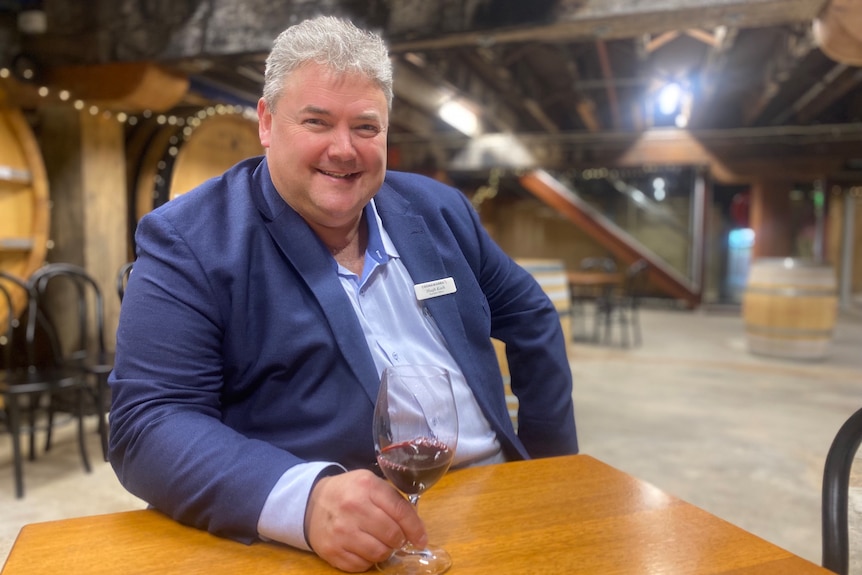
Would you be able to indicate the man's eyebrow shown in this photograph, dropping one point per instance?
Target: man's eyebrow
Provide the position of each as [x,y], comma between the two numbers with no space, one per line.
[312,109]
[317,110]
[372,116]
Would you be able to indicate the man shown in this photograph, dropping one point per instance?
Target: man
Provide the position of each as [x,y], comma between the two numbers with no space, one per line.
[265,304]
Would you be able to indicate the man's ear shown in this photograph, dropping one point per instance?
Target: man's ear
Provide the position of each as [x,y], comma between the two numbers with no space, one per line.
[264,125]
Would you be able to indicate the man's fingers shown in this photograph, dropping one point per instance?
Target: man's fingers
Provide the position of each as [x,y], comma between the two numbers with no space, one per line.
[356,519]
[403,513]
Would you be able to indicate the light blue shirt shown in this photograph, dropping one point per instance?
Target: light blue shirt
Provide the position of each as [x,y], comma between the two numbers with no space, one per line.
[399,330]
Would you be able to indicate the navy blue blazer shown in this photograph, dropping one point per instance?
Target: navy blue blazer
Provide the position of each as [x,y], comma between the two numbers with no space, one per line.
[239,354]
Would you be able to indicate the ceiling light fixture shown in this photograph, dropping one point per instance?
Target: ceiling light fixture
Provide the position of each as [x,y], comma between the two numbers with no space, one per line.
[460,117]
[669,98]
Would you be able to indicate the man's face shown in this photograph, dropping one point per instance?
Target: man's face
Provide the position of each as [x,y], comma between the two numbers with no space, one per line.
[326,144]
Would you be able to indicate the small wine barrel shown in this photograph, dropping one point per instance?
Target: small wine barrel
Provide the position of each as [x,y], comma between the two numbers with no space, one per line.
[789,308]
[551,275]
[24,206]
[172,160]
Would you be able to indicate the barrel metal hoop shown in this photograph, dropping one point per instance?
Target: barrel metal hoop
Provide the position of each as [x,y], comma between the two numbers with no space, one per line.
[792,291]
[15,174]
[788,331]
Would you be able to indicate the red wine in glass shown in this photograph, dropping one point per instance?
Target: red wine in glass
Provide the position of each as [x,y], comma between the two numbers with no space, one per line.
[414,466]
[415,436]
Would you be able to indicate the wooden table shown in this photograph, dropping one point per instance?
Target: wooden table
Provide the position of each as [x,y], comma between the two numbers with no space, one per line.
[561,515]
[594,278]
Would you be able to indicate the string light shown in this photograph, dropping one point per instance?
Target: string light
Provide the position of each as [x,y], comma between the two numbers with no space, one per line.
[184,126]
[190,122]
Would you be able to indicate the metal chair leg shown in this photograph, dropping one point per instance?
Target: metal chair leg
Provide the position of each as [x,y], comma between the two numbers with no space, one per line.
[101,396]
[82,444]
[14,413]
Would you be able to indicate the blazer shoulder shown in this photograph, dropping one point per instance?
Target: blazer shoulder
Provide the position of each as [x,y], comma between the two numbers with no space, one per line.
[416,187]
[219,195]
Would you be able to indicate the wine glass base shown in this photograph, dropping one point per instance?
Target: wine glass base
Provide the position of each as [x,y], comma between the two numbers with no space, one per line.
[428,561]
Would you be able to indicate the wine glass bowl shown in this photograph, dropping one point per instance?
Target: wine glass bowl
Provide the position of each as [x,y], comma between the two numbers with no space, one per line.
[415,437]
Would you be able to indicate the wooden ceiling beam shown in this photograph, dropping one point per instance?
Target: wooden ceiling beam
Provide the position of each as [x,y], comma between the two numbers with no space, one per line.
[608,77]
[611,19]
[732,155]
[850,80]
[810,95]
[778,69]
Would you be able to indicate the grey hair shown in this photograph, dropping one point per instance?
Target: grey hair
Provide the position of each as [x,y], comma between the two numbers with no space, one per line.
[333,42]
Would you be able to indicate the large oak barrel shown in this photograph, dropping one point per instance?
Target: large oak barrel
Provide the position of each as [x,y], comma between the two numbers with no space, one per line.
[789,308]
[24,206]
[172,159]
[838,31]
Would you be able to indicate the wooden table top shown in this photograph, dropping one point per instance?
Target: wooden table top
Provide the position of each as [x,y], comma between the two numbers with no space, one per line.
[561,515]
[594,278]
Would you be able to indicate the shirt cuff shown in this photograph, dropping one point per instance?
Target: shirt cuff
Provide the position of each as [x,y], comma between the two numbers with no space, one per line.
[282,518]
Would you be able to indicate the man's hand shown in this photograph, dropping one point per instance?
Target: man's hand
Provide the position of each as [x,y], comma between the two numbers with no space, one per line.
[356,519]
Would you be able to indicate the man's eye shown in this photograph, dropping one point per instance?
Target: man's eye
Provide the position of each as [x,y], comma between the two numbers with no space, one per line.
[368,129]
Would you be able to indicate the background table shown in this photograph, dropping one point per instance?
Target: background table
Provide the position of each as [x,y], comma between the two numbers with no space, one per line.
[561,515]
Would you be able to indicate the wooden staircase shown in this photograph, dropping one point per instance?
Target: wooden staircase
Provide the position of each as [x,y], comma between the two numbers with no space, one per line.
[617,241]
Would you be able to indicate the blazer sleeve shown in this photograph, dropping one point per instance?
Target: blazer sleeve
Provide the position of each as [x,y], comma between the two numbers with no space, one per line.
[525,319]
[168,443]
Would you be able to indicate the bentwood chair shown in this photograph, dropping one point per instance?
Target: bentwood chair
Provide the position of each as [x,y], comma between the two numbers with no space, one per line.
[836,488]
[628,306]
[597,295]
[71,298]
[28,388]
[123,278]
[620,307]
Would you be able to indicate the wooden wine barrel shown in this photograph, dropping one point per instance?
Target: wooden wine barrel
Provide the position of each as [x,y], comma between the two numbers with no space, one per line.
[173,159]
[24,206]
[838,31]
[551,275]
[789,308]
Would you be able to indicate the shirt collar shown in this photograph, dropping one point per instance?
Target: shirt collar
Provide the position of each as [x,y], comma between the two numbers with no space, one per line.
[380,246]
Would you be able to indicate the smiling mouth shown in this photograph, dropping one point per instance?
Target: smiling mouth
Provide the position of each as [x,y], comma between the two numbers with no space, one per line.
[339,176]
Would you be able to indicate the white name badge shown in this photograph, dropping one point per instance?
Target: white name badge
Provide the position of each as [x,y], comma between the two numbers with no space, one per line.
[434,288]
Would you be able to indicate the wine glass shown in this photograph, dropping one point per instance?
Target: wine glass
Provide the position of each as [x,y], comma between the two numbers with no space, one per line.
[415,436]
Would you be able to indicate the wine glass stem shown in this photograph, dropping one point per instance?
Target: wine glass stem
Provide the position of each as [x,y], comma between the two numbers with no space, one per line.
[409,547]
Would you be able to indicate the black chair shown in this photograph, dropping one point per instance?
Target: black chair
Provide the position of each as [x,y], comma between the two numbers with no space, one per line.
[836,487]
[123,278]
[620,305]
[603,298]
[583,296]
[26,384]
[61,288]
[628,306]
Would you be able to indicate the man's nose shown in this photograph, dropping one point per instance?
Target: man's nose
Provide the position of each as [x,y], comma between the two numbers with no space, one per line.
[342,143]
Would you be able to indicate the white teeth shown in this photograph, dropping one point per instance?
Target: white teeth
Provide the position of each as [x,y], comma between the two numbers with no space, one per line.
[332,175]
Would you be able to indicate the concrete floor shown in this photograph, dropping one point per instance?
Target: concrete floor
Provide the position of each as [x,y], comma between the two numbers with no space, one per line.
[690,411]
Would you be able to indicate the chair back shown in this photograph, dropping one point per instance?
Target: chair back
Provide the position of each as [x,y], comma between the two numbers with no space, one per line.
[598,263]
[836,488]
[635,282]
[77,291]
[8,326]
[123,278]
[17,354]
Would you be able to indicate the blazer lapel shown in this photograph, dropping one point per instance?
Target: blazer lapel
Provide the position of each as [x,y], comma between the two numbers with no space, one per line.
[423,260]
[315,267]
